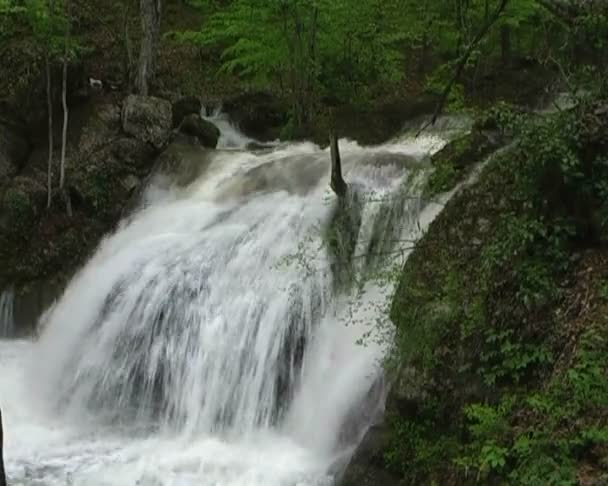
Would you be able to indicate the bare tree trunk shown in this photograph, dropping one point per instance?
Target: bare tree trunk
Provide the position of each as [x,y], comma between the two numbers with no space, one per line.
[337,181]
[64,133]
[128,46]
[2,474]
[49,102]
[64,102]
[150,11]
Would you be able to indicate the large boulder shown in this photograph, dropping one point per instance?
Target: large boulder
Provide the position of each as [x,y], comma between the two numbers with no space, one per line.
[147,119]
[258,114]
[204,131]
[183,107]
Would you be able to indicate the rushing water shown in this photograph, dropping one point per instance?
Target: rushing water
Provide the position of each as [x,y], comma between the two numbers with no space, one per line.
[207,342]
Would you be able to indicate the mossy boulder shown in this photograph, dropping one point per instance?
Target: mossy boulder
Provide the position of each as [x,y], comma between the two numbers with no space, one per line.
[183,107]
[259,114]
[147,119]
[455,161]
[204,131]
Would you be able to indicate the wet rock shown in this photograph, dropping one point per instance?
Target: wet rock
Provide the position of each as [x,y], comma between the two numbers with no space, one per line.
[456,160]
[367,467]
[258,114]
[104,172]
[31,300]
[131,183]
[204,131]
[147,119]
[184,107]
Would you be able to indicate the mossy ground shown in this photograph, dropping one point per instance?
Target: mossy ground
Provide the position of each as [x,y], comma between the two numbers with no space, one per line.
[500,371]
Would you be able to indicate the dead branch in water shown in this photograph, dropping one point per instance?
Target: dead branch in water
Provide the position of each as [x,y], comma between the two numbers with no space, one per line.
[337,181]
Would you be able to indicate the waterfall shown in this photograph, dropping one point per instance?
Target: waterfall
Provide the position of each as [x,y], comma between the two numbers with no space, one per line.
[206,342]
[7,324]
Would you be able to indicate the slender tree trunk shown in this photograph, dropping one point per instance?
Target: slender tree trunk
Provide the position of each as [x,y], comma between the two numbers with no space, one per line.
[337,181]
[150,11]
[49,102]
[2,474]
[64,133]
[128,45]
[64,102]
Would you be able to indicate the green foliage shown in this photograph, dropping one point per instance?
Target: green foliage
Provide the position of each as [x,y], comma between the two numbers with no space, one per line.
[46,22]
[418,448]
[307,49]
[521,392]
[559,423]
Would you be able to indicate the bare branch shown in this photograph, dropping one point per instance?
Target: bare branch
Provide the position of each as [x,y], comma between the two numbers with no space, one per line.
[463,61]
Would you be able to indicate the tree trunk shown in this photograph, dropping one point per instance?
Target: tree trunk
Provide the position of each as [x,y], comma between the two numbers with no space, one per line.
[49,102]
[64,102]
[64,133]
[2,474]
[150,23]
[337,181]
[129,64]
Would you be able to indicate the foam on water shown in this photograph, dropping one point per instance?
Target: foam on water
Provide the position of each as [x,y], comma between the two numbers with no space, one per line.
[197,348]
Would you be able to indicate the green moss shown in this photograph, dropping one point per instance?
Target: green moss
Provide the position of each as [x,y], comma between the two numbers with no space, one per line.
[18,206]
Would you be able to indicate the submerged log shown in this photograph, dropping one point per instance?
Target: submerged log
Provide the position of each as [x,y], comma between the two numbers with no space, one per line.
[2,475]
[337,181]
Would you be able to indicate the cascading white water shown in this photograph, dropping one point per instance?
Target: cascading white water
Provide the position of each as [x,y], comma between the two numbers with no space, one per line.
[206,342]
[7,325]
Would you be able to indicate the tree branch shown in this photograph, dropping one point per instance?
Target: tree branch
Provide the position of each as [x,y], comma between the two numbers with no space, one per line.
[463,61]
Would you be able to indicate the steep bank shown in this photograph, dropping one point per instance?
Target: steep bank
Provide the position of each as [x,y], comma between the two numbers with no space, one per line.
[499,373]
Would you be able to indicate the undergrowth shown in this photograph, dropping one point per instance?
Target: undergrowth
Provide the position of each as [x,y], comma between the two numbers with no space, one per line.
[511,385]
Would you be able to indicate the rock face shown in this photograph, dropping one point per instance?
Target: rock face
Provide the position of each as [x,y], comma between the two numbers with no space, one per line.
[39,248]
[204,131]
[184,107]
[147,119]
[14,147]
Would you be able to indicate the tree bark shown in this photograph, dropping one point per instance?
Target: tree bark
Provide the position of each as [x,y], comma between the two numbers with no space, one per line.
[150,11]
[49,102]
[64,102]
[2,474]
[337,181]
